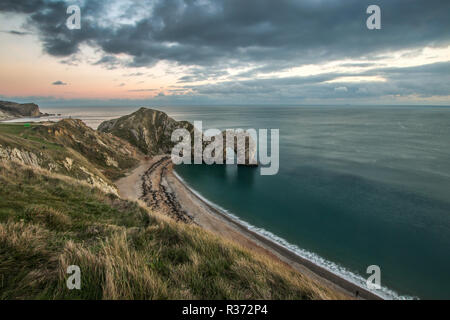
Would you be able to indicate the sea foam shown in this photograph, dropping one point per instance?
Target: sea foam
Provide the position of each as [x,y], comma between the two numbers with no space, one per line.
[336,269]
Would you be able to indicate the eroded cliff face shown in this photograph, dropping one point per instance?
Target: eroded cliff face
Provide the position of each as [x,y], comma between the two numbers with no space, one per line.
[70,148]
[68,166]
[21,156]
[108,152]
[11,110]
[151,132]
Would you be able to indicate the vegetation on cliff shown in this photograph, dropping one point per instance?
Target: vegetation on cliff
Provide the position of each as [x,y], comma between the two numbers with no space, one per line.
[68,147]
[147,129]
[151,131]
[51,217]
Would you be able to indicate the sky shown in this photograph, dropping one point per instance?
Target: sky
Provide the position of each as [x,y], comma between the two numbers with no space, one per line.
[225,52]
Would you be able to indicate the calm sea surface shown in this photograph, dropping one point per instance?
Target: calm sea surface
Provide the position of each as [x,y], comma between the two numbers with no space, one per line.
[357,186]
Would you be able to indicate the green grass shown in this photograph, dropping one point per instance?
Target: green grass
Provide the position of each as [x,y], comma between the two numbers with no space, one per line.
[50,220]
[22,132]
[78,142]
[14,128]
[124,251]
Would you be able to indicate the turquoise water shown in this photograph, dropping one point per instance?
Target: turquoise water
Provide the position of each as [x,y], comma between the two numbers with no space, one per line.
[357,186]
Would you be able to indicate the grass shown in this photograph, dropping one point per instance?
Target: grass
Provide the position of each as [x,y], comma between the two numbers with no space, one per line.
[72,139]
[48,222]
[14,128]
[53,218]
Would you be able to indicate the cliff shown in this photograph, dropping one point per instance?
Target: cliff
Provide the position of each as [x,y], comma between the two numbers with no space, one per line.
[59,207]
[11,110]
[107,152]
[147,129]
[151,131]
[69,148]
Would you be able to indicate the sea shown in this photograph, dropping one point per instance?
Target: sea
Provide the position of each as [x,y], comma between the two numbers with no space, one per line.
[357,186]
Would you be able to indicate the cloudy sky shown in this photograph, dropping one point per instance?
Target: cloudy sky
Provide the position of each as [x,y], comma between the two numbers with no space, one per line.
[153,52]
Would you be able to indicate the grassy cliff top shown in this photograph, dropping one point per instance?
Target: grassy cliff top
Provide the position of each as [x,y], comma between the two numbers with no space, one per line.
[48,222]
[52,218]
[58,146]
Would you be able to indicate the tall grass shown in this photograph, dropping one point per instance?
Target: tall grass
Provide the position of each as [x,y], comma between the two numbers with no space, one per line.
[49,222]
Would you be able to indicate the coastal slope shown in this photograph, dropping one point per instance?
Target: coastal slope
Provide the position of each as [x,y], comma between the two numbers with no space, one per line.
[56,212]
[149,130]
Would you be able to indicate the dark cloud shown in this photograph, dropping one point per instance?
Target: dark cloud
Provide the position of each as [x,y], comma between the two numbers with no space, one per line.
[203,74]
[17,33]
[22,6]
[211,37]
[279,32]
[59,83]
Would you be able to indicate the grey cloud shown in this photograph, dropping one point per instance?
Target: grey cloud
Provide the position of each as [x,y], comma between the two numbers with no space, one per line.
[136,74]
[17,33]
[341,89]
[425,81]
[142,90]
[272,32]
[110,62]
[212,36]
[59,83]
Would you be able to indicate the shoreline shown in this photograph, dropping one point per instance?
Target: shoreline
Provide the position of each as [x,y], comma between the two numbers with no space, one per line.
[291,258]
[155,183]
[17,119]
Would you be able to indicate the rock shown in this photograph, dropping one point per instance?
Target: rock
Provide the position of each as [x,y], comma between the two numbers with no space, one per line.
[147,129]
[101,149]
[21,156]
[11,110]
[151,132]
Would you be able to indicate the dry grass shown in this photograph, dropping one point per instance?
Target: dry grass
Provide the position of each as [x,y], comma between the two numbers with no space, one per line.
[48,222]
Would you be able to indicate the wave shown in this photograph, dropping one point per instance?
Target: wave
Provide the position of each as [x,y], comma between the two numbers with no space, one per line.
[383,292]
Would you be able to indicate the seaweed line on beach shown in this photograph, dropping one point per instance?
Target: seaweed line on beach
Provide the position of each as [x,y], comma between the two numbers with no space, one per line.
[157,195]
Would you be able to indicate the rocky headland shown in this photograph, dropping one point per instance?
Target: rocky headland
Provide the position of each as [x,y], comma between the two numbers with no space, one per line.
[12,110]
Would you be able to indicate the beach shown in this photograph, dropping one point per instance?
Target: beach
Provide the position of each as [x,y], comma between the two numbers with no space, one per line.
[156,184]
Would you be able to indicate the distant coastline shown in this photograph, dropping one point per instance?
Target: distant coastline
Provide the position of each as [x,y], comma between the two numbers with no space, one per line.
[10,111]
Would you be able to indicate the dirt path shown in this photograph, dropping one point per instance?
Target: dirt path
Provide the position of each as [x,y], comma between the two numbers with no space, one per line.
[130,187]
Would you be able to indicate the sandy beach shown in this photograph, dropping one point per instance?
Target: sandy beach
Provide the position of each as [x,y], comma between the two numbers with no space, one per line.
[155,183]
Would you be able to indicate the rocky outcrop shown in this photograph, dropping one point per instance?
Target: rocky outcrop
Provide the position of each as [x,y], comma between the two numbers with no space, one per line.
[151,131]
[147,129]
[71,148]
[108,152]
[21,156]
[41,161]
[12,110]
